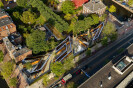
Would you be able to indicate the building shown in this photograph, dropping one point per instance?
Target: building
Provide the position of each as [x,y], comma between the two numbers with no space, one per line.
[79,3]
[7,26]
[94,6]
[115,74]
[13,44]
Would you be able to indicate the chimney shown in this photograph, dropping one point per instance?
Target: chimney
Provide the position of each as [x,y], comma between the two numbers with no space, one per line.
[101,84]
[109,76]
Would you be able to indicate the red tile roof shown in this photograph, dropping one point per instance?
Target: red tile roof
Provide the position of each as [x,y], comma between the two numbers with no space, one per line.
[79,3]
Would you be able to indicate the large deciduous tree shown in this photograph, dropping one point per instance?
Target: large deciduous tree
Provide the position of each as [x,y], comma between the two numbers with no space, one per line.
[1,4]
[130,2]
[57,68]
[36,42]
[28,17]
[13,82]
[67,7]
[109,29]
[112,9]
[22,3]
[6,69]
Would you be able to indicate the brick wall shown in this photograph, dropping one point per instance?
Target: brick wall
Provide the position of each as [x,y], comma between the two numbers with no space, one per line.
[21,57]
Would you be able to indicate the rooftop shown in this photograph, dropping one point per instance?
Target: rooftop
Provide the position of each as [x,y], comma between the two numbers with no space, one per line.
[20,51]
[9,45]
[79,3]
[107,77]
[94,6]
[2,12]
[5,21]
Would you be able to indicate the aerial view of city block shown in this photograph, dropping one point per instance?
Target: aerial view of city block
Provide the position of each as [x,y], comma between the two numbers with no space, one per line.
[66,43]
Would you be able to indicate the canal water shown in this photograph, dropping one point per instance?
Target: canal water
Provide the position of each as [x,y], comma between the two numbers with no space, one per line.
[121,13]
[3,83]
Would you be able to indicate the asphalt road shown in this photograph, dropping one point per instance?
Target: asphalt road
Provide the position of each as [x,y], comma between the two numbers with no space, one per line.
[97,61]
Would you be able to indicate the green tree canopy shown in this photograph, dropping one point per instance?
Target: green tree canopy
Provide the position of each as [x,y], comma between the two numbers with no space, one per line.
[130,2]
[6,69]
[46,12]
[109,29]
[22,3]
[28,17]
[1,56]
[67,7]
[88,52]
[13,82]
[68,16]
[112,9]
[95,19]
[1,4]
[72,85]
[36,42]
[57,68]
[104,41]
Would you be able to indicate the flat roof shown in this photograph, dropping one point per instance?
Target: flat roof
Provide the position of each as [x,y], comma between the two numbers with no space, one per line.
[130,50]
[126,81]
[102,75]
[21,51]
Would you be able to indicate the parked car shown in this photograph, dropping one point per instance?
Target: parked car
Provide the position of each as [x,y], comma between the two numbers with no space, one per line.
[66,78]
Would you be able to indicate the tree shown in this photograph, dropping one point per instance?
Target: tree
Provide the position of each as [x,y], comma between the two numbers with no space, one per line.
[53,44]
[104,41]
[40,20]
[28,17]
[103,17]
[109,29]
[57,68]
[13,82]
[113,37]
[68,7]
[36,42]
[69,63]
[45,79]
[130,2]
[68,16]
[95,19]
[1,56]
[112,9]
[72,85]
[22,3]
[88,51]
[47,13]
[16,16]
[6,69]
[1,4]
